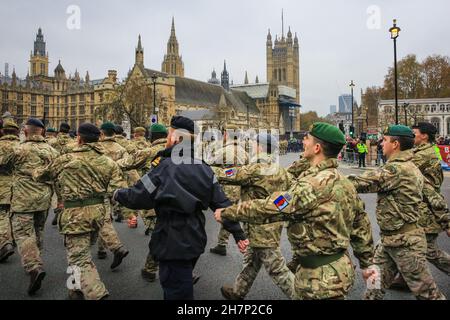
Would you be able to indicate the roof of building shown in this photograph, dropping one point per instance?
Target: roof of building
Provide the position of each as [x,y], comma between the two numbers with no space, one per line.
[261,90]
[199,93]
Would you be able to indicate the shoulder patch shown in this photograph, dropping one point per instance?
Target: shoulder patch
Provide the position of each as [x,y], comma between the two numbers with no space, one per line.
[156,162]
[230,172]
[282,202]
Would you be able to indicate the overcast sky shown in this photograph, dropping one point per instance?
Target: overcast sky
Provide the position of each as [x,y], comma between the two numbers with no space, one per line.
[339,40]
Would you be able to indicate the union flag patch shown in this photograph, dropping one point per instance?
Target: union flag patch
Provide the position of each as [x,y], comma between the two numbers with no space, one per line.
[281,203]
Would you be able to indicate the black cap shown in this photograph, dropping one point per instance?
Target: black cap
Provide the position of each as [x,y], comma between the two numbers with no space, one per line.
[64,127]
[35,122]
[88,129]
[180,122]
[118,129]
[425,127]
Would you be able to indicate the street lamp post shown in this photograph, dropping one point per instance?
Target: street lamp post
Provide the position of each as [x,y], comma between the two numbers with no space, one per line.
[154,78]
[351,86]
[394,35]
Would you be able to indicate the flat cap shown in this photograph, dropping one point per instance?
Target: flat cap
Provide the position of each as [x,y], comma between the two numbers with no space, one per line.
[108,126]
[139,130]
[180,122]
[10,124]
[64,127]
[35,122]
[158,128]
[425,127]
[328,133]
[88,129]
[399,130]
[118,129]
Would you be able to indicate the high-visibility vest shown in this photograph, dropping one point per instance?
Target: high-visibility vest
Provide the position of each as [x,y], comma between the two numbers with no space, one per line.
[362,148]
[438,152]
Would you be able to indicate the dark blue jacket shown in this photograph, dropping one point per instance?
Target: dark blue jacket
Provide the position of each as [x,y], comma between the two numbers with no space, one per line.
[179,193]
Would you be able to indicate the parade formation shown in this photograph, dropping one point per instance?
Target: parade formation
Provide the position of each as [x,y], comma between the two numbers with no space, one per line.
[100,177]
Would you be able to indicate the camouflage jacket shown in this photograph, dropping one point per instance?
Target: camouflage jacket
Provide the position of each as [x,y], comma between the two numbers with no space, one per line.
[299,166]
[63,143]
[27,194]
[112,149]
[325,213]
[8,144]
[85,173]
[399,186]
[231,155]
[425,158]
[140,143]
[257,181]
[124,142]
[142,159]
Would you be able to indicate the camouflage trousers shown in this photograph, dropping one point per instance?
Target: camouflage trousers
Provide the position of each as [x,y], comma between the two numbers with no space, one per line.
[440,259]
[87,279]
[330,281]
[5,226]
[149,218]
[405,253]
[123,211]
[28,229]
[224,235]
[150,264]
[273,261]
[108,237]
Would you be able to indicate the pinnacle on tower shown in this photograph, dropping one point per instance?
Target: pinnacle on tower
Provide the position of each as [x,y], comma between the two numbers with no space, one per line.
[246,78]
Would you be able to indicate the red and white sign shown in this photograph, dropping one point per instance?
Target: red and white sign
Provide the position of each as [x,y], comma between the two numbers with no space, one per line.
[445,153]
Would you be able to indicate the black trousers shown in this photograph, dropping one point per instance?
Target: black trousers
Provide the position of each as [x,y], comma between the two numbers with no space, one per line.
[175,277]
[362,159]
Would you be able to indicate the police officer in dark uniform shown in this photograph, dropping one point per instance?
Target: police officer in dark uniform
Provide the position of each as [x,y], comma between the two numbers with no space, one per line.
[179,188]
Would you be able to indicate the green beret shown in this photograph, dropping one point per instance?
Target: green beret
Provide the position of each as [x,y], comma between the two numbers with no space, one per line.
[51,130]
[328,133]
[10,124]
[399,131]
[108,126]
[139,130]
[158,128]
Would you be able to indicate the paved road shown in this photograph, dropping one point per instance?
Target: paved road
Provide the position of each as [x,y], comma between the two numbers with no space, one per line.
[126,283]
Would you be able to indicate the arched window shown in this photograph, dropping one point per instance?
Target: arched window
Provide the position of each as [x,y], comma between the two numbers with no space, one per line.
[433,108]
[284,74]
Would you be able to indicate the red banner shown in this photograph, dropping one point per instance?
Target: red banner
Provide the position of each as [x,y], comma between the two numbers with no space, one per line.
[445,153]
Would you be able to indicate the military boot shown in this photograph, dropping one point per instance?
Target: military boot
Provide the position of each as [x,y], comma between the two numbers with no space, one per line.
[219,249]
[6,251]
[119,254]
[148,276]
[36,277]
[75,295]
[101,254]
[229,294]
[399,283]
[195,278]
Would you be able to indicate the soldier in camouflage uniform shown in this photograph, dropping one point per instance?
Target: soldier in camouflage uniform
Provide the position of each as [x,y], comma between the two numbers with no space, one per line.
[403,244]
[116,152]
[62,143]
[30,200]
[296,169]
[85,210]
[258,180]
[9,141]
[232,154]
[426,158]
[326,216]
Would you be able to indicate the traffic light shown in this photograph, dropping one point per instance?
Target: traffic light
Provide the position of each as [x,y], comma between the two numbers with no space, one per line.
[352,131]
